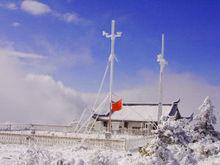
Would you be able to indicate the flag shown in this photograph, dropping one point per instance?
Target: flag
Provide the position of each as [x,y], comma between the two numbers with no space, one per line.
[117,106]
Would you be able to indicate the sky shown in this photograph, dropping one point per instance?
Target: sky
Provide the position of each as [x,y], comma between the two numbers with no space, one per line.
[61,42]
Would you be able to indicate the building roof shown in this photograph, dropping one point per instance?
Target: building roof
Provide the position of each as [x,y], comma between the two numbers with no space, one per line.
[175,111]
[137,112]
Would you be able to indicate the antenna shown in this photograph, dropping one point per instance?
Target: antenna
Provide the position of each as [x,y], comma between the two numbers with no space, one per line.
[112,36]
[162,62]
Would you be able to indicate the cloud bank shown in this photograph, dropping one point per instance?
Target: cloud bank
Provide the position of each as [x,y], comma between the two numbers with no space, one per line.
[35,98]
[13,53]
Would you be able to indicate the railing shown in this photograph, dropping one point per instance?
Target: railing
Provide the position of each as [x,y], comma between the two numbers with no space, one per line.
[67,129]
[16,138]
[115,143]
[37,127]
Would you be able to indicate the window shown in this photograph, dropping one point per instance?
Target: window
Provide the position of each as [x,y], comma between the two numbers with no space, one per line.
[105,123]
[126,124]
[146,125]
[136,127]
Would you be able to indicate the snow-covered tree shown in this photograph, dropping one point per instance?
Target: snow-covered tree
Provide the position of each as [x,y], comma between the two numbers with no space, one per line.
[184,136]
[206,114]
[173,131]
[202,125]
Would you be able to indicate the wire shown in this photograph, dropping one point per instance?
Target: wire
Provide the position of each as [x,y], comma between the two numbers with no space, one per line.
[101,86]
[95,102]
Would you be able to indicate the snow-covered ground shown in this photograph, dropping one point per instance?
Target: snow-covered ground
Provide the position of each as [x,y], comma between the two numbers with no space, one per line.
[20,154]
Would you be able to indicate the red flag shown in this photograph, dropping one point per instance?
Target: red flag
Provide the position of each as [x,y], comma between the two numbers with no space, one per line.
[117,106]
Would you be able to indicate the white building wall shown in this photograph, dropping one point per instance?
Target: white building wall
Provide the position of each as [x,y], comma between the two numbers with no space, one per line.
[99,126]
[134,125]
[115,126]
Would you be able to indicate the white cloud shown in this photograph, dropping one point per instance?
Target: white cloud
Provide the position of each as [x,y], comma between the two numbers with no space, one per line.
[10,6]
[35,98]
[34,7]
[37,8]
[70,17]
[8,52]
[4,43]
[16,24]
[59,56]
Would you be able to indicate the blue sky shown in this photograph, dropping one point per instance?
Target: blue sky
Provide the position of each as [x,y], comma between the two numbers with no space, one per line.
[68,34]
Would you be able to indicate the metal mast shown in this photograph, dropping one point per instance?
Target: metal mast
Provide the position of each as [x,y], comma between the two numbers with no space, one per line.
[111,59]
[162,62]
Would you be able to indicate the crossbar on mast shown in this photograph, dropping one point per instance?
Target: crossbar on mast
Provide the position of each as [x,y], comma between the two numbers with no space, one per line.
[112,36]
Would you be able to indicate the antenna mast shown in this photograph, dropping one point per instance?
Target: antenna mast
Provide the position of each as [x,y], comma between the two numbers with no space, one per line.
[111,59]
[162,62]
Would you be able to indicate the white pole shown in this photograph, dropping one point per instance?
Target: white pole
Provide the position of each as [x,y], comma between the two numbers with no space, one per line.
[112,36]
[162,63]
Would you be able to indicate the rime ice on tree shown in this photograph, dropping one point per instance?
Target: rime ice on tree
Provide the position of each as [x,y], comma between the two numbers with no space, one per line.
[206,114]
[202,126]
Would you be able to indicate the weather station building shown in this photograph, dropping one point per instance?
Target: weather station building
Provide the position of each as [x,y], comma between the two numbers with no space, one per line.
[135,118]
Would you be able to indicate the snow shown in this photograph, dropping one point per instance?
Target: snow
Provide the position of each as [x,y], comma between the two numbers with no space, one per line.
[20,154]
[180,142]
[139,113]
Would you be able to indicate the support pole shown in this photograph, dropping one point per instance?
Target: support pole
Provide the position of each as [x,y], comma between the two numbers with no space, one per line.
[112,36]
[162,63]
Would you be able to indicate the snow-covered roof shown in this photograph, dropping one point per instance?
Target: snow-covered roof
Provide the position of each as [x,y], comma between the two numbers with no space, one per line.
[138,112]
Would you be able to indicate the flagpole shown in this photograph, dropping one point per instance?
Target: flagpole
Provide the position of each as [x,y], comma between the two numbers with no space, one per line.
[112,36]
[162,63]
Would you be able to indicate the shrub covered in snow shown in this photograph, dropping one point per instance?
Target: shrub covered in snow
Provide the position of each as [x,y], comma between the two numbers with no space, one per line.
[189,139]
[104,158]
[173,132]
[35,156]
